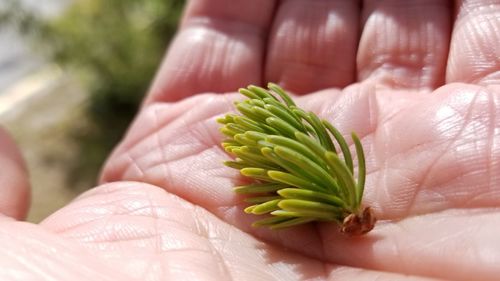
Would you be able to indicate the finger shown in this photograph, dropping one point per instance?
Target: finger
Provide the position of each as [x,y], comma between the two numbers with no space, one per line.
[313,45]
[404,44]
[474,52]
[219,48]
[453,245]
[30,252]
[14,184]
[143,222]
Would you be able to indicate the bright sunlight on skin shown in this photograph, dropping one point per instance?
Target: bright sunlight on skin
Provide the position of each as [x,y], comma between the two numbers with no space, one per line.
[418,81]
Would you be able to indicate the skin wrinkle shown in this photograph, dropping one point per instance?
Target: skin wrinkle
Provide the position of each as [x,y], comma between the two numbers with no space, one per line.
[156,134]
[156,217]
[153,110]
[490,143]
[223,266]
[166,172]
[75,226]
[461,230]
[474,58]
[489,59]
[474,43]
[115,209]
[207,75]
[372,173]
[133,165]
[160,162]
[398,252]
[146,236]
[431,245]
[98,236]
[305,46]
[215,250]
[381,177]
[199,227]
[488,77]
[217,64]
[323,112]
[23,264]
[200,132]
[227,209]
[471,9]
[173,161]
[96,192]
[436,159]
[180,183]
[403,203]
[401,248]
[209,62]
[39,265]
[225,61]
[164,260]
[184,181]
[406,37]
[478,127]
[434,244]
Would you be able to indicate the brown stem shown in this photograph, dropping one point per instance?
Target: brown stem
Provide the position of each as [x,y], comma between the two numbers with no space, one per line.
[358,224]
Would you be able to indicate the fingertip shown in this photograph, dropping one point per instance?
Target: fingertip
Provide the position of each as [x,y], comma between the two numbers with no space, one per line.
[217,49]
[14,180]
[404,44]
[474,53]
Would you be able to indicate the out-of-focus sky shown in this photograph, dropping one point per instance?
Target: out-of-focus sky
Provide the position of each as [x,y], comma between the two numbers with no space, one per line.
[16,58]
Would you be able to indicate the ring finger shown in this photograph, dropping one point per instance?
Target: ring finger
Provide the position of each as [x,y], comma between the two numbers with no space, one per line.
[404,44]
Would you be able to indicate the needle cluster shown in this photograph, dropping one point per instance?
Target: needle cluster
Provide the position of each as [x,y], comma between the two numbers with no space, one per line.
[301,166]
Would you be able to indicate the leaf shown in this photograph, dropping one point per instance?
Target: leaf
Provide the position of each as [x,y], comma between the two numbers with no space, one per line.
[266,207]
[304,194]
[258,188]
[277,89]
[343,144]
[360,185]
[291,222]
[292,180]
[346,180]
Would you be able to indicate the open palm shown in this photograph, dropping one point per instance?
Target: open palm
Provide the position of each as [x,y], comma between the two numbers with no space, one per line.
[421,91]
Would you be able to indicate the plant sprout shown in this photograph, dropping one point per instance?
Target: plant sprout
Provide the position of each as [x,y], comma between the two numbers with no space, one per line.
[293,158]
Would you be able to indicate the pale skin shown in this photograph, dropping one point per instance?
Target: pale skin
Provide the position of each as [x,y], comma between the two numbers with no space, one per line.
[419,81]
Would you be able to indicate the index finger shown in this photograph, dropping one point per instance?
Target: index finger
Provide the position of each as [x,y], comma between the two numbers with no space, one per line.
[219,47]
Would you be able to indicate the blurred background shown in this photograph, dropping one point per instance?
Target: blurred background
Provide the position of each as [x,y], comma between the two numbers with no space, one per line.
[72,74]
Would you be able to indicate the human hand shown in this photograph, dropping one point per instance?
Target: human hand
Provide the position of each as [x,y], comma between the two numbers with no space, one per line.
[433,155]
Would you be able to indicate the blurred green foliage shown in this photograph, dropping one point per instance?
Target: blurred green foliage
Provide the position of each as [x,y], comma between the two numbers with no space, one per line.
[116,46]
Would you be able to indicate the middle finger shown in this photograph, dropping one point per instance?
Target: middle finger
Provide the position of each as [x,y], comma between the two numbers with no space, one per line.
[313,44]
